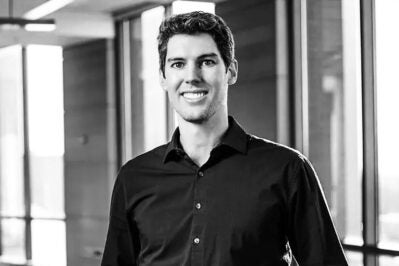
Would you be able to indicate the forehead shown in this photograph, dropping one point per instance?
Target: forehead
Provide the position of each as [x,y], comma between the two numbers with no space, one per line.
[186,45]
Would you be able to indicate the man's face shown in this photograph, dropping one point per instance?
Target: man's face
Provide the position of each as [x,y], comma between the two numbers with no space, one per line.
[196,78]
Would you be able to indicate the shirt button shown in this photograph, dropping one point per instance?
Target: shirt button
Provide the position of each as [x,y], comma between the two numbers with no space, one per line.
[198,206]
[196,240]
[201,174]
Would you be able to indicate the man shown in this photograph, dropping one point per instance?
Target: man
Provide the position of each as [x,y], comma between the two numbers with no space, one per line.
[215,195]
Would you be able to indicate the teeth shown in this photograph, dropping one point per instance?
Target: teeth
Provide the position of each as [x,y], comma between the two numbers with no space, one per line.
[193,95]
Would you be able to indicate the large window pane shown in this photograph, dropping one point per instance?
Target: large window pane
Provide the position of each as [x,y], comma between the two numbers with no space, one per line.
[46,128]
[388,261]
[13,240]
[387,56]
[354,258]
[334,108]
[11,132]
[144,112]
[48,243]
[155,118]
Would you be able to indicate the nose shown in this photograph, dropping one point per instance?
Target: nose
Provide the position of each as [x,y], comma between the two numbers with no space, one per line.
[193,74]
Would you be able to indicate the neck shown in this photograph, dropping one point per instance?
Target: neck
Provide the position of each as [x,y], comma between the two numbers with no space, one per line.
[198,140]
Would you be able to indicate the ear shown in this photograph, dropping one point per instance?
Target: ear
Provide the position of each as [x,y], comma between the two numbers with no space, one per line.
[162,80]
[232,72]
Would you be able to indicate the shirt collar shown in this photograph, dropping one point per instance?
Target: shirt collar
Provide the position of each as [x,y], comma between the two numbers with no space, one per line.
[235,137]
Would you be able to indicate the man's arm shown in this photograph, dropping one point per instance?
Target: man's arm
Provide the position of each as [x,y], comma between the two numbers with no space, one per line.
[122,239]
[312,235]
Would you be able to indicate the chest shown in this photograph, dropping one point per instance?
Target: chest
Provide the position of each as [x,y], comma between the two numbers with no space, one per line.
[235,203]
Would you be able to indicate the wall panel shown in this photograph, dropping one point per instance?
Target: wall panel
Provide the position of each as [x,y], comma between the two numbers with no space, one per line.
[90,148]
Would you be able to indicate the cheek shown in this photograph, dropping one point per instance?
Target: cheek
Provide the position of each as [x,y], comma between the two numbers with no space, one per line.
[218,77]
[172,82]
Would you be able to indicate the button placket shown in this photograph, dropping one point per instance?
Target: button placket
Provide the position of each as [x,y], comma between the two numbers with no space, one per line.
[197,214]
[197,202]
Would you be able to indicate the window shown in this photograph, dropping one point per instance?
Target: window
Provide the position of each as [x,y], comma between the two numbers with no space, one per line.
[31,162]
[332,110]
[387,95]
[346,108]
[12,222]
[144,105]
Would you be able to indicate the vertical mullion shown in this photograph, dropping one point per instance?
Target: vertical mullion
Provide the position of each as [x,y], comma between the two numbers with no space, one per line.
[26,160]
[126,91]
[136,89]
[300,76]
[304,84]
[370,174]
[282,98]
[118,93]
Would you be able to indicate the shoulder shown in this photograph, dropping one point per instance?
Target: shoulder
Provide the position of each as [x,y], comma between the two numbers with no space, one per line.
[295,169]
[277,151]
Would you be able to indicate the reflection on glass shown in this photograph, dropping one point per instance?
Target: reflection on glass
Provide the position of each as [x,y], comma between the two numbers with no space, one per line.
[387,56]
[354,258]
[46,130]
[154,96]
[388,261]
[11,132]
[13,240]
[48,243]
[334,109]
[352,158]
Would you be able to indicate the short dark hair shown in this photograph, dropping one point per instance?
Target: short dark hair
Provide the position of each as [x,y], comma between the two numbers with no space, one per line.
[195,23]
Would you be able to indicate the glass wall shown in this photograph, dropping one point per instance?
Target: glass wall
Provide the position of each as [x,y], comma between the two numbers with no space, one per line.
[387,56]
[12,205]
[46,151]
[334,109]
[32,226]
[154,96]
[349,109]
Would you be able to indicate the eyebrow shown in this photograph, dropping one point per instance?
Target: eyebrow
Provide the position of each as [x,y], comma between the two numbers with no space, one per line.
[208,55]
[172,59]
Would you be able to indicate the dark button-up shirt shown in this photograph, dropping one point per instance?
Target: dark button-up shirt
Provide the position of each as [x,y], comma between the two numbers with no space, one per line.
[241,207]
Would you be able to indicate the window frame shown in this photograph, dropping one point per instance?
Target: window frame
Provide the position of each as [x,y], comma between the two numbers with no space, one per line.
[27,218]
[129,144]
[300,135]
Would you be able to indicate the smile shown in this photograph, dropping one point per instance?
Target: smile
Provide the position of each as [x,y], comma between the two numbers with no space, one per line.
[194,95]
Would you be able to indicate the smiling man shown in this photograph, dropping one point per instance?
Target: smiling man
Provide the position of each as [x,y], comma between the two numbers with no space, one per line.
[215,195]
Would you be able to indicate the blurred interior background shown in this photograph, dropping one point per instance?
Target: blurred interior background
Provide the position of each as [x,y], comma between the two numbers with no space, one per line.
[80,96]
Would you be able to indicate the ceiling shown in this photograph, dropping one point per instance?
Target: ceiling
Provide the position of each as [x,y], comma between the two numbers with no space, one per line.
[77,21]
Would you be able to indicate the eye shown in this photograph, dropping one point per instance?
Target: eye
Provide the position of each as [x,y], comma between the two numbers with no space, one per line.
[177,65]
[208,62]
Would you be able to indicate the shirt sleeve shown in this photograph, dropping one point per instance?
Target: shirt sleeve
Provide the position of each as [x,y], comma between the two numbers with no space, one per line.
[122,244]
[311,235]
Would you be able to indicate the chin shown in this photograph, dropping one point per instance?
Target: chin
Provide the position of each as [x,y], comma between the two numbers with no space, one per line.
[196,118]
